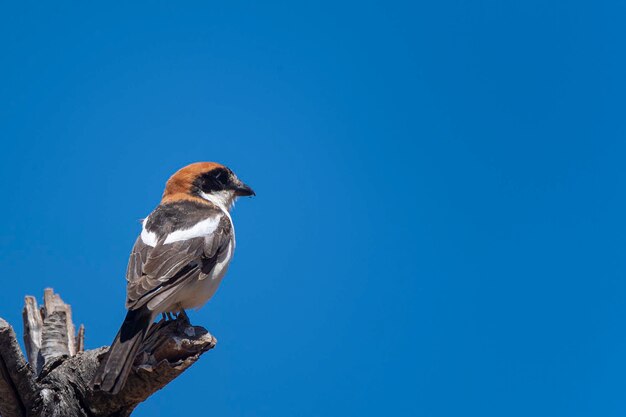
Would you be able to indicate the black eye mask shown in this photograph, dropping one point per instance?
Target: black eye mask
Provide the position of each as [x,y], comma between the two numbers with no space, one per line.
[215,180]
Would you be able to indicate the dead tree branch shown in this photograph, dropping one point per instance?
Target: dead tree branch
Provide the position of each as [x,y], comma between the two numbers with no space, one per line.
[55,381]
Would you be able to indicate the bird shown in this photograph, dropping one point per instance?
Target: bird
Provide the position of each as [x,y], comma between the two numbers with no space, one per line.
[178,260]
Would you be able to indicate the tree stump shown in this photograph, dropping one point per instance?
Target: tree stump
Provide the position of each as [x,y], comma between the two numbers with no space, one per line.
[56,378]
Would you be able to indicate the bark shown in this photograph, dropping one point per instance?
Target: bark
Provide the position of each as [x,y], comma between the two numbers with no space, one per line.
[55,381]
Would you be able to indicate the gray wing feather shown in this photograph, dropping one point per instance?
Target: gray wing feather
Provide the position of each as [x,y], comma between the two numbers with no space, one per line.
[137,257]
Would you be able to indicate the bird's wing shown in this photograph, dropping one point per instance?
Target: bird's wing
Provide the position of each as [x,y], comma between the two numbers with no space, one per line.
[156,273]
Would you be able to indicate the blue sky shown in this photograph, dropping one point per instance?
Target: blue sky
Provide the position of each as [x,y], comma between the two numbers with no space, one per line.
[439,229]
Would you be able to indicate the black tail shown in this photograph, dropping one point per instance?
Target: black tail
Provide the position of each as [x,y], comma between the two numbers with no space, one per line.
[114,369]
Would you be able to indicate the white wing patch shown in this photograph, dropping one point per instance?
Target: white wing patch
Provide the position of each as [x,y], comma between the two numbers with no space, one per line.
[200,229]
[148,238]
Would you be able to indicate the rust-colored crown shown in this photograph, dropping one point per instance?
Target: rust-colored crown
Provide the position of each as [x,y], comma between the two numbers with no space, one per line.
[179,186]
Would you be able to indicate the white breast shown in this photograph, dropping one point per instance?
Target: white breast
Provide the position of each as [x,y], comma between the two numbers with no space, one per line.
[223,200]
[197,293]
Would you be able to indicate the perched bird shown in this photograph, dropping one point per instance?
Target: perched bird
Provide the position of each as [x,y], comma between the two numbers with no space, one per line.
[178,260]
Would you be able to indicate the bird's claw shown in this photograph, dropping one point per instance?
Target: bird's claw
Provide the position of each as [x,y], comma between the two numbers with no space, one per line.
[182,315]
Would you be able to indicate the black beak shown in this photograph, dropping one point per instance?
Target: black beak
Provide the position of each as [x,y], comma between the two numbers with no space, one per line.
[244,191]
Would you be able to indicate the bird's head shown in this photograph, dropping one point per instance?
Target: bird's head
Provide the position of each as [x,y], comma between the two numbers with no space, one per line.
[206,180]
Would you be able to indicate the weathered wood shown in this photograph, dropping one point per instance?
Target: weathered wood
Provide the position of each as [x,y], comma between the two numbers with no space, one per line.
[80,339]
[54,343]
[59,317]
[62,388]
[17,384]
[10,403]
[33,328]
[49,330]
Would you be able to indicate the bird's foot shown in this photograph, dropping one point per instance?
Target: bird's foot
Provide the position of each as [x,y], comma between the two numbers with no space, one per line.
[182,315]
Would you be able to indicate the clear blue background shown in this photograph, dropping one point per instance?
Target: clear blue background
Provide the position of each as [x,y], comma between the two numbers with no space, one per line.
[440,227]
